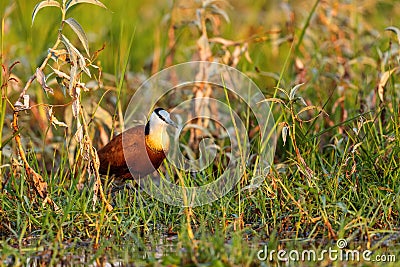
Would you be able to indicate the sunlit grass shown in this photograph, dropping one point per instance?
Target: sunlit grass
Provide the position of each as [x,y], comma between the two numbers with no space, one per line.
[352,191]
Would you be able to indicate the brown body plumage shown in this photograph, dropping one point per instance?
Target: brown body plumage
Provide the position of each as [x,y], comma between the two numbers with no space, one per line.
[143,147]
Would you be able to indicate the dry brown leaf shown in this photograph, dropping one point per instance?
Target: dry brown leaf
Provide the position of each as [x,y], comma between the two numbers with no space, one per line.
[382,82]
[41,78]
[22,106]
[54,121]
[60,54]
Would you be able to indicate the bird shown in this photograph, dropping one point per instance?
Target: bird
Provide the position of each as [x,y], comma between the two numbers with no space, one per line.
[138,151]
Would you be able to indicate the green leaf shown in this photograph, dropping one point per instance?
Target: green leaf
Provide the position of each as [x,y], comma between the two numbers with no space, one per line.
[71,3]
[5,142]
[42,5]
[77,28]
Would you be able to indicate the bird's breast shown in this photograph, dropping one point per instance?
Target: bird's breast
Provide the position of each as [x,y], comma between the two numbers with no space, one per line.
[158,141]
[132,154]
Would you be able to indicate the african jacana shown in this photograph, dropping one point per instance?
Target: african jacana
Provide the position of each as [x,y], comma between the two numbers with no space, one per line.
[145,148]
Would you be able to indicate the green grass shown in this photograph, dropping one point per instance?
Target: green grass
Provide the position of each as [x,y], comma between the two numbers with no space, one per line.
[336,176]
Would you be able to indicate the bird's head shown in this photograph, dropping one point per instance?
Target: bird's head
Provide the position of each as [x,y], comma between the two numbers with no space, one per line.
[159,118]
[155,130]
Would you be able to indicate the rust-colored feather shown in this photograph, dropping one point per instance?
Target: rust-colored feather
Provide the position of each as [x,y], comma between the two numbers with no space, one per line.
[142,160]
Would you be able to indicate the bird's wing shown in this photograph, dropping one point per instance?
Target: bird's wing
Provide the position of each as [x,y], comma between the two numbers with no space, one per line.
[111,156]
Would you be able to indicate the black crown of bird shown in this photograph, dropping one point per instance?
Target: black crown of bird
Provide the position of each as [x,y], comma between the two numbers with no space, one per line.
[137,151]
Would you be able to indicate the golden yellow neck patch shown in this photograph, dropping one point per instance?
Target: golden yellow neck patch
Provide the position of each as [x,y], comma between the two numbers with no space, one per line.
[157,141]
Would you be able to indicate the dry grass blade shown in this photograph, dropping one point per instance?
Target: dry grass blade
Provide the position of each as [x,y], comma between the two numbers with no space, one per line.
[94,162]
[395,30]
[42,5]
[382,83]
[35,179]
[332,177]
[273,100]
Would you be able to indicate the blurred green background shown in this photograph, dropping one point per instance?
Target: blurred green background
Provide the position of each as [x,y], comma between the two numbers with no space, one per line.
[147,23]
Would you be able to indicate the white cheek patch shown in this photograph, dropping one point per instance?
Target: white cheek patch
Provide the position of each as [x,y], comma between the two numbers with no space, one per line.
[164,114]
